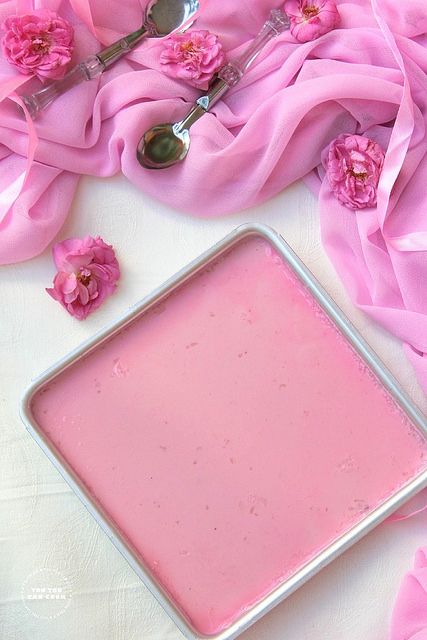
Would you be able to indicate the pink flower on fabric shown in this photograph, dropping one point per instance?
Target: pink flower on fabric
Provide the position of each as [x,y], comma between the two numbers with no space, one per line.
[353,166]
[193,56]
[39,43]
[310,19]
[87,274]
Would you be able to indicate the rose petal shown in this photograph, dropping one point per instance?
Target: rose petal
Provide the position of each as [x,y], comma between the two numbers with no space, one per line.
[40,43]
[88,274]
[193,56]
[353,166]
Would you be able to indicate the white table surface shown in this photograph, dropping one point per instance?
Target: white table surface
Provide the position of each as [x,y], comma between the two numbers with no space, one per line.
[42,523]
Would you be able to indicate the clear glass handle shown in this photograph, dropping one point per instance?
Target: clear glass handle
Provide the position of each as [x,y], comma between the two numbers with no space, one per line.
[233,71]
[87,70]
[92,67]
[230,74]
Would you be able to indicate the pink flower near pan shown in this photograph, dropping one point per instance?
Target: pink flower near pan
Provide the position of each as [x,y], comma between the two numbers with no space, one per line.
[193,57]
[40,43]
[87,274]
[353,166]
[310,19]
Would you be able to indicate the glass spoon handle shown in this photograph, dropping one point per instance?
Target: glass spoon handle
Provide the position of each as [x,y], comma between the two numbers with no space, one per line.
[230,74]
[120,48]
[92,67]
[277,22]
[36,102]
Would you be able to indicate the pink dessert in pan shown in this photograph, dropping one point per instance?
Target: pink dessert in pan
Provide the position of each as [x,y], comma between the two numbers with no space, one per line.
[230,433]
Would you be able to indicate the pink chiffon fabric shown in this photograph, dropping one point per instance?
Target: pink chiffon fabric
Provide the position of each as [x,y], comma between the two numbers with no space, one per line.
[366,77]
[409,620]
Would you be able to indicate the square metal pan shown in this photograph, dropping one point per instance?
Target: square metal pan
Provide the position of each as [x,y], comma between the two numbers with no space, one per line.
[354,338]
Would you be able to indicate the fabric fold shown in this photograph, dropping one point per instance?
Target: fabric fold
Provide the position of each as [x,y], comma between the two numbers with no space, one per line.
[409,620]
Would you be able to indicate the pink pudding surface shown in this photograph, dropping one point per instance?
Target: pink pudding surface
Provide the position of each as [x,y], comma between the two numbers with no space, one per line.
[230,433]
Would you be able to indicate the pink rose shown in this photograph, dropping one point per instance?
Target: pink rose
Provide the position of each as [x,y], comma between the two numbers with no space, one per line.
[39,43]
[193,56]
[310,19]
[353,165]
[87,274]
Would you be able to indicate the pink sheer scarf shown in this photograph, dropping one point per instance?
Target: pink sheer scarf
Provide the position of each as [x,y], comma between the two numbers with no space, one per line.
[409,620]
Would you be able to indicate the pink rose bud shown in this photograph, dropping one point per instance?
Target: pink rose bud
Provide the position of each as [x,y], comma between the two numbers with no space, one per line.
[193,57]
[353,166]
[87,274]
[310,19]
[40,43]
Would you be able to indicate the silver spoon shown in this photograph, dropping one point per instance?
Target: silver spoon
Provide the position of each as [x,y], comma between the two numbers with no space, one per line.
[161,18]
[166,144]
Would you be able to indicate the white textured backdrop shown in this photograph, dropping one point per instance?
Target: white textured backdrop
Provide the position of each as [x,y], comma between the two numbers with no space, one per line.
[42,523]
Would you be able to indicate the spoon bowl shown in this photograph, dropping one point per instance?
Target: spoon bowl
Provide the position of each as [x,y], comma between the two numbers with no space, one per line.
[163,146]
[163,17]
